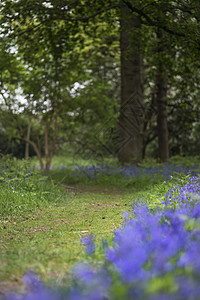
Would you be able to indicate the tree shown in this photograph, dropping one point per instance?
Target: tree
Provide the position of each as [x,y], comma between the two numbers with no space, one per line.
[175,24]
[161,99]
[130,126]
[57,27]
[48,48]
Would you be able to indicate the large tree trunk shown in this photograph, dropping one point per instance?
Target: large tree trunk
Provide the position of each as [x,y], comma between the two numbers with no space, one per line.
[161,94]
[131,111]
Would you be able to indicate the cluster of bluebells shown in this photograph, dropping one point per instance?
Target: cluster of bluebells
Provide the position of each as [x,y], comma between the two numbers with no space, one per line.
[124,173]
[155,255]
[183,195]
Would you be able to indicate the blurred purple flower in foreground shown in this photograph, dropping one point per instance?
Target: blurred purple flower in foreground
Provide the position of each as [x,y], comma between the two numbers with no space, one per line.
[37,290]
[88,242]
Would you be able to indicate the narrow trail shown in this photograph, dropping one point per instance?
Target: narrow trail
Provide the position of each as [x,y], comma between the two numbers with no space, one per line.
[48,240]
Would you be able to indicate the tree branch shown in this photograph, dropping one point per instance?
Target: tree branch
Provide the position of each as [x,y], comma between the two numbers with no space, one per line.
[35,148]
[62,16]
[90,16]
[150,21]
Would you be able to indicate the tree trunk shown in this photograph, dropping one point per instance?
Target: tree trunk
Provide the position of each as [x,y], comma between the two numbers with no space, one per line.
[131,111]
[46,144]
[28,138]
[53,144]
[161,94]
[50,144]
[37,151]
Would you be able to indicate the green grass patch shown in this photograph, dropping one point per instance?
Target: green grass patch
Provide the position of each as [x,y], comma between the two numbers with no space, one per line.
[48,239]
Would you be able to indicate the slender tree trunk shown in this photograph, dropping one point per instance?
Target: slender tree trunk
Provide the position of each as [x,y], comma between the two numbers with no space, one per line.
[50,144]
[28,138]
[37,151]
[161,94]
[130,120]
[46,143]
[53,144]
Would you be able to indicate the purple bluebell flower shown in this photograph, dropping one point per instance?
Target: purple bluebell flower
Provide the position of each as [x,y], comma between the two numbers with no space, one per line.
[125,214]
[36,290]
[88,242]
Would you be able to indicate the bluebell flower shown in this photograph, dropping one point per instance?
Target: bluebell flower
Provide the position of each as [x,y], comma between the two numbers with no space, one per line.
[32,281]
[125,214]
[37,290]
[88,242]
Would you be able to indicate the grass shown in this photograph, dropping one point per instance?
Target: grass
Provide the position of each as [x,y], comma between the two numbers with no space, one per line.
[41,231]
[48,240]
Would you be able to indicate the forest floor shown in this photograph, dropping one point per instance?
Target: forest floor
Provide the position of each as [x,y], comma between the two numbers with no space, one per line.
[42,218]
[48,240]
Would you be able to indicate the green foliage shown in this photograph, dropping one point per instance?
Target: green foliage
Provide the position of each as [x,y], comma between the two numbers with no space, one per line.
[67,64]
[187,161]
[23,188]
[55,59]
